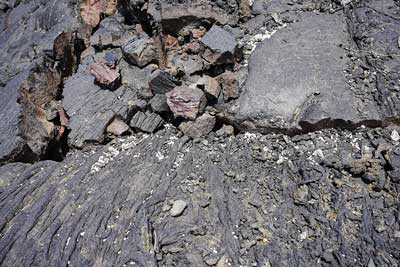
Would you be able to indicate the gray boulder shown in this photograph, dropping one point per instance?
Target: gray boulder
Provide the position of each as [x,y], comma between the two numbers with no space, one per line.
[297,79]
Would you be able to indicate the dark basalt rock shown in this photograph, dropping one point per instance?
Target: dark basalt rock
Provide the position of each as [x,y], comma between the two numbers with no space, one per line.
[297,79]
[91,108]
[146,122]
[245,198]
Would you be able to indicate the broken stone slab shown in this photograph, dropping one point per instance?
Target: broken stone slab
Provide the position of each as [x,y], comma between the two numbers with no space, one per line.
[159,103]
[140,51]
[146,122]
[161,82]
[110,33]
[210,85]
[200,127]
[222,46]
[91,109]
[188,64]
[178,207]
[134,77]
[105,76]
[186,102]
[175,17]
[117,127]
[299,83]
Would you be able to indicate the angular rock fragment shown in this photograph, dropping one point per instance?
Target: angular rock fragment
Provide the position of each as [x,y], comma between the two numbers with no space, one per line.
[222,46]
[105,76]
[92,10]
[200,127]
[188,64]
[299,82]
[210,85]
[146,122]
[110,33]
[92,109]
[229,84]
[117,127]
[30,29]
[159,103]
[161,82]
[140,51]
[186,102]
[177,208]
[176,17]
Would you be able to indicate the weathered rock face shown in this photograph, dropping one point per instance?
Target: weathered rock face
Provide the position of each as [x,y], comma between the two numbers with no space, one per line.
[26,133]
[297,78]
[236,200]
[202,126]
[186,102]
[91,108]
[146,122]
[43,21]
[221,46]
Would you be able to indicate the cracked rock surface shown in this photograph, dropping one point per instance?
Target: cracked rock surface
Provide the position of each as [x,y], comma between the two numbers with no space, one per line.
[199,133]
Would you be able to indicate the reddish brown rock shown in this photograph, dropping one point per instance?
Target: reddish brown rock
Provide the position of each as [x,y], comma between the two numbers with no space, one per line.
[186,102]
[141,51]
[230,85]
[105,75]
[202,126]
[210,85]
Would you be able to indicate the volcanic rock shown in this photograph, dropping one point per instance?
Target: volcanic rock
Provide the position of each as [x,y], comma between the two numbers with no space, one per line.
[140,51]
[159,103]
[222,46]
[92,109]
[117,127]
[202,126]
[105,76]
[161,82]
[299,82]
[186,102]
[146,122]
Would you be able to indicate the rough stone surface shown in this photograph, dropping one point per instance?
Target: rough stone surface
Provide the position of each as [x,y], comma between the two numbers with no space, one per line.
[105,76]
[210,85]
[91,108]
[222,46]
[159,103]
[140,51]
[186,102]
[177,208]
[297,78]
[175,17]
[242,205]
[202,126]
[117,127]
[161,82]
[146,122]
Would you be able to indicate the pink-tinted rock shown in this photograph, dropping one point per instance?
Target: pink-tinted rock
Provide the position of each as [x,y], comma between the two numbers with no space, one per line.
[186,102]
[105,75]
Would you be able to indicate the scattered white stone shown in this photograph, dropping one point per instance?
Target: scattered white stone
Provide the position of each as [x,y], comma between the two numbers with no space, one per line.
[395,136]
[177,208]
